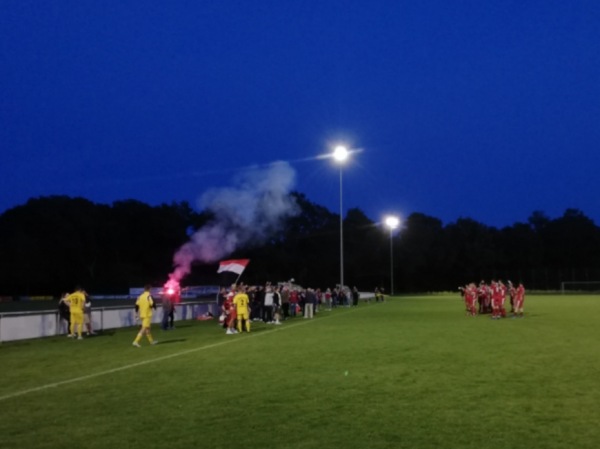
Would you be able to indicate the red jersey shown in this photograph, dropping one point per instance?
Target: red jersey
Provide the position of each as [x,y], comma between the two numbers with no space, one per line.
[229,310]
[470,295]
[520,294]
[497,293]
[294,297]
[482,291]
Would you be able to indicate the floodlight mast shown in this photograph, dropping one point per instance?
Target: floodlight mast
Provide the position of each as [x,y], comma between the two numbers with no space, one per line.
[341,154]
[392,222]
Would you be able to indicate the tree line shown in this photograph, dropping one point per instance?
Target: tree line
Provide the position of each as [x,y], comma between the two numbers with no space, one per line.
[52,243]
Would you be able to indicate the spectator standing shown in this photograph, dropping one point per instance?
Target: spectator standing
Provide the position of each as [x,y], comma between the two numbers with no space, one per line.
[309,303]
[276,306]
[175,299]
[355,296]
[343,298]
[87,315]
[319,296]
[257,298]
[268,305]
[167,305]
[285,302]
[335,297]
[64,313]
[328,299]
[294,298]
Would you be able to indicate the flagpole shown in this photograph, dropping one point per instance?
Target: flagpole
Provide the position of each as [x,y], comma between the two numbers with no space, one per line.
[238,278]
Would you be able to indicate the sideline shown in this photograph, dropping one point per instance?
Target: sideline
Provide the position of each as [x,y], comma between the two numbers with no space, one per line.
[165,357]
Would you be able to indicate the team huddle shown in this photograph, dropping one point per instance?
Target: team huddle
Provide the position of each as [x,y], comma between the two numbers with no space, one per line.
[491,298]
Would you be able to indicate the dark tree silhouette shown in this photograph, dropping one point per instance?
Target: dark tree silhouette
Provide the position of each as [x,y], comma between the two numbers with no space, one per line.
[52,243]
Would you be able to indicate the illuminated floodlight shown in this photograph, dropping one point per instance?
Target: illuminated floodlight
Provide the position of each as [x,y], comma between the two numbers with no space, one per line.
[392,222]
[340,153]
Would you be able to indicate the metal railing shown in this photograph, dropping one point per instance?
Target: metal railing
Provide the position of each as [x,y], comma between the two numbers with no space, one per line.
[47,323]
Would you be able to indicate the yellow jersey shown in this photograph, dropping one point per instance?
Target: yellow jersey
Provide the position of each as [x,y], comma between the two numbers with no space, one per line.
[76,302]
[241,302]
[144,305]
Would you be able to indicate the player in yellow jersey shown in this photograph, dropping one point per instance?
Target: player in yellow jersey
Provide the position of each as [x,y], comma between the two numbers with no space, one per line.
[241,303]
[76,301]
[143,312]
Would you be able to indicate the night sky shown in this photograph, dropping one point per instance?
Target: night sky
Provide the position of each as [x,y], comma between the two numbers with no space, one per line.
[481,109]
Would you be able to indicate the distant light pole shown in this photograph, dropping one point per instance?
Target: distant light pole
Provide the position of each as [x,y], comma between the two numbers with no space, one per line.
[392,222]
[341,154]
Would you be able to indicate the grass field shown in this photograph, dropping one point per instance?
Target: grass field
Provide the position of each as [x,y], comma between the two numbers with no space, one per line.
[414,372]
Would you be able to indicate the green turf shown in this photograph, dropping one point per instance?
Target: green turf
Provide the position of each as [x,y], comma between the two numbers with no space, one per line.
[414,372]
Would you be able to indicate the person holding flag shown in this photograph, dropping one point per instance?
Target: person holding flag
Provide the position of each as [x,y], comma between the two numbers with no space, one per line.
[229,311]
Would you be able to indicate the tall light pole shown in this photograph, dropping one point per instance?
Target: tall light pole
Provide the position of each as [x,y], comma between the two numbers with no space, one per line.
[392,222]
[340,154]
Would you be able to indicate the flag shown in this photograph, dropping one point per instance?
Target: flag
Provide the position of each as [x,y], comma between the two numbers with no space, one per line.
[234,265]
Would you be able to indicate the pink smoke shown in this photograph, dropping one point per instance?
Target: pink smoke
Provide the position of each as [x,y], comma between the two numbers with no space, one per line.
[250,211]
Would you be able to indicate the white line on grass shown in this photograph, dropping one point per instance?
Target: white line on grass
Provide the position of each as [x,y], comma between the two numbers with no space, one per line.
[158,359]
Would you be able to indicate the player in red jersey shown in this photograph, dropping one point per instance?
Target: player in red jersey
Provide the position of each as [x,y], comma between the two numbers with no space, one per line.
[230,314]
[497,299]
[503,290]
[471,299]
[511,294]
[482,293]
[488,299]
[519,300]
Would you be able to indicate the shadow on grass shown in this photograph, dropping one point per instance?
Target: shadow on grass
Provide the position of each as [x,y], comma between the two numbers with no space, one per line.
[179,326]
[105,333]
[255,330]
[168,342]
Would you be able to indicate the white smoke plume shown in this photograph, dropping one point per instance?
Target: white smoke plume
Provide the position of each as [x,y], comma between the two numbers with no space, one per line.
[248,212]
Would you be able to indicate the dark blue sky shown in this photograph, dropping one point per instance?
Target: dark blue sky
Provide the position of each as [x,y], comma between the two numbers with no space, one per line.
[480,109]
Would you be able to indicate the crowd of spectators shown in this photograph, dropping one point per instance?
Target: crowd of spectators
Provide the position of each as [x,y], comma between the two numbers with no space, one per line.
[274,303]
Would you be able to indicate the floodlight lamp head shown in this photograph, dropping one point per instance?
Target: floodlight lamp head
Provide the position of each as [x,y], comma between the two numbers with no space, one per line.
[340,153]
[392,222]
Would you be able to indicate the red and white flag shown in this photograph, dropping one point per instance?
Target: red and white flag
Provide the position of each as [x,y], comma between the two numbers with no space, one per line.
[234,265]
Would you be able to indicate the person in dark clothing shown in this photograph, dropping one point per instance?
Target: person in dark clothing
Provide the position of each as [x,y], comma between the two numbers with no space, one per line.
[285,302]
[64,311]
[355,296]
[276,306]
[259,300]
[167,307]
